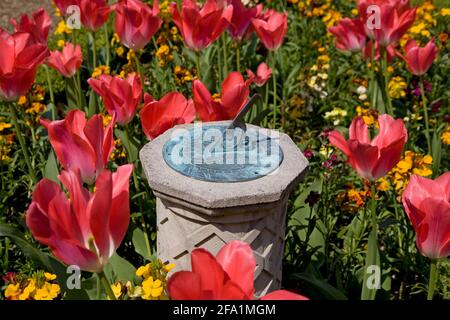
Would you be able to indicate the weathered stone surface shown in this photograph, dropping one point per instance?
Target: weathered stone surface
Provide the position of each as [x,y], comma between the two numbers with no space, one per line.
[193,213]
[211,195]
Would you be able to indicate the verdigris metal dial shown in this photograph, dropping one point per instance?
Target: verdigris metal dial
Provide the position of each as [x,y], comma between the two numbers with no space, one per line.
[216,153]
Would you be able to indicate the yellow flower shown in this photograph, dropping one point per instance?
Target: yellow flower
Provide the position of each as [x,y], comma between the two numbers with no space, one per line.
[49,276]
[411,163]
[100,70]
[36,107]
[445,137]
[29,289]
[152,290]
[48,291]
[397,87]
[117,289]
[383,185]
[445,12]
[13,291]
[144,271]
[62,28]
[22,100]
[169,267]
[4,125]
[337,114]
[61,43]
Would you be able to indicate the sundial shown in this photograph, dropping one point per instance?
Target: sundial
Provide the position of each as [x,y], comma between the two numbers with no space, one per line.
[223,152]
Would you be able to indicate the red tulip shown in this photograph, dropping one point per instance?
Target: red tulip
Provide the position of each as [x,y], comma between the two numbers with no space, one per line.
[350,35]
[240,25]
[263,73]
[200,28]
[63,5]
[136,23]
[83,229]
[120,96]
[68,61]
[81,144]
[427,204]
[367,51]
[418,59]
[19,60]
[159,116]
[93,13]
[227,276]
[38,27]
[235,92]
[372,159]
[395,18]
[271,28]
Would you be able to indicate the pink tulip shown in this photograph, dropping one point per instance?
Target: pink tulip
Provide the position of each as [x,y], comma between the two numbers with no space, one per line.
[271,28]
[350,35]
[418,59]
[120,96]
[81,144]
[38,26]
[263,73]
[235,93]
[241,21]
[68,61]
[227,276]
[19,60]
[83,228]
[159,116]
[63,5]
[372,159]
[93,13]
[427,204]
[395,18]
[136,23]
[201,27]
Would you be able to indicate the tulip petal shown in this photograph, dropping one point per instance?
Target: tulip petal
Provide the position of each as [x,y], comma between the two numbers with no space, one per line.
[237,260]
[185,285]
[283,295]
[210,271]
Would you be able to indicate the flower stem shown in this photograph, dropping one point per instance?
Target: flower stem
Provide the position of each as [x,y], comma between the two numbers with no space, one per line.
[12,108]
[225,56]
[139,69]
[425,114]
[50,89]
[434,274]
[385,72]
[238,58]
[372,93]
[136,185]
[108,54]
[94,51]
[274,79]
[373,204]
[106,285]
[197,61]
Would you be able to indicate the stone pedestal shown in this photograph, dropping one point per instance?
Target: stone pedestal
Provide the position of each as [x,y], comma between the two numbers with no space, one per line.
[193,213]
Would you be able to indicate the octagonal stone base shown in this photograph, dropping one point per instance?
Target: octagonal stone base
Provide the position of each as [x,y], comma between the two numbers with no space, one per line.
[181,229]
[193,213]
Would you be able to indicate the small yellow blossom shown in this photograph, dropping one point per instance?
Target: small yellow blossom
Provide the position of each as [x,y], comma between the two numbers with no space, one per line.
[445,12]
[152,289]
[397,87]
[336,115]
[117,289]
[62,28]
[22,100]
[61,43]
[445,137]
[100,70]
